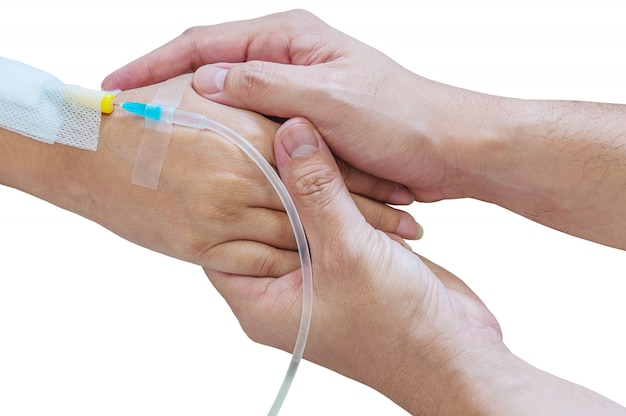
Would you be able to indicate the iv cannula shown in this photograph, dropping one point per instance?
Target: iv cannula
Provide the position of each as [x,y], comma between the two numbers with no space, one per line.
[199,121]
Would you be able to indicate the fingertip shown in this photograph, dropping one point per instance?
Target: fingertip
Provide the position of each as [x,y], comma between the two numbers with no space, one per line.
[111,82]
[209,80]
[300,140]
[401,196]
[296,138]
[409,228]
[132,75]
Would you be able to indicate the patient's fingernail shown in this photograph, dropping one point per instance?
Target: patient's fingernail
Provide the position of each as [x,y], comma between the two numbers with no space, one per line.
[209,79]
[401,196]
[300,140]
[409,228]
[420,231]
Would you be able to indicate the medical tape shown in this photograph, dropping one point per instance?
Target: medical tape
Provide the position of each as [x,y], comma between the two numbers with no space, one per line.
[156,139]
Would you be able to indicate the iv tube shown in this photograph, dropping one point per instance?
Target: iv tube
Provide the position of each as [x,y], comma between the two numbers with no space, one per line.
[199,121]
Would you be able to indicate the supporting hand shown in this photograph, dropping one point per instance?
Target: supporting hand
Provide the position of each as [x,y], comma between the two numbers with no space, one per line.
[381,315]
[385,317]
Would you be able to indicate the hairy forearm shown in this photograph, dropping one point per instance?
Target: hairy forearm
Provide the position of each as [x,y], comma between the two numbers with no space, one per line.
[562,164]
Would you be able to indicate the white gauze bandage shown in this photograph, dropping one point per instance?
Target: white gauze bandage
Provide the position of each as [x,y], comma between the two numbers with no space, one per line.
[36,104]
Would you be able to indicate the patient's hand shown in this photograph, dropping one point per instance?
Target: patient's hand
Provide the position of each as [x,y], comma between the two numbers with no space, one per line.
[213,206]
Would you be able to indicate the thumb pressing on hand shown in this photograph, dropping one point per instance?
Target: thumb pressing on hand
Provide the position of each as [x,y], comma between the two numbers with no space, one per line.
[265,87]
[311,176]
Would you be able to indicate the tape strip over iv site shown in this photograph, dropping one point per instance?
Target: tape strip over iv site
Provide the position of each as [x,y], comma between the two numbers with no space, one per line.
[172,115]
[156,139]
[35,104]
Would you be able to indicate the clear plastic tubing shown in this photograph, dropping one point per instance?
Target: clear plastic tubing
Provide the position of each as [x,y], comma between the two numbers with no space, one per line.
[199,121]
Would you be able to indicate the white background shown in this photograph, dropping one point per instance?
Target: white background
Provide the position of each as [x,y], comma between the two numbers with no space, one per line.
[92,325]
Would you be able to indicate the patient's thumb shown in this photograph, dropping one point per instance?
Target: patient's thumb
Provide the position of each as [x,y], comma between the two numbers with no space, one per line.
[311,176]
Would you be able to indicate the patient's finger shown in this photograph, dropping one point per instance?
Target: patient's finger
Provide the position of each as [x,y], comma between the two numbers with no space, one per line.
[250,258]
[388,219]
[359,182]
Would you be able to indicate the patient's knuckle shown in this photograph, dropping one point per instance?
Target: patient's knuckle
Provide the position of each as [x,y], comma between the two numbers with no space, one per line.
[376,214]
[265,265]
[378,218]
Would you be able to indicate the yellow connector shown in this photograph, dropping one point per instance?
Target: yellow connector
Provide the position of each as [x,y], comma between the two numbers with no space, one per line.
[107,105]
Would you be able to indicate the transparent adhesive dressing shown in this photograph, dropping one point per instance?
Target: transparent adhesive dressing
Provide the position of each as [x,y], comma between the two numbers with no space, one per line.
[199,121]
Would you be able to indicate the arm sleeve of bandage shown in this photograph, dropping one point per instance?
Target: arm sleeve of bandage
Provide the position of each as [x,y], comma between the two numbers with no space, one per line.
[36,104]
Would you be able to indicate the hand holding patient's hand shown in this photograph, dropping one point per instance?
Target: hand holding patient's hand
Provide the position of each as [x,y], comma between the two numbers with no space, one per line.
[372,112]
[380,314]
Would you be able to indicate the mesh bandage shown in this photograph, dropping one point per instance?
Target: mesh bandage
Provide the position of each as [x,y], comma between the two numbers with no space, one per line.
[156,138]
[35,104]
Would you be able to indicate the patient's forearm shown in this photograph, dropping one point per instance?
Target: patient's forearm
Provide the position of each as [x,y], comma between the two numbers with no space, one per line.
[27,164]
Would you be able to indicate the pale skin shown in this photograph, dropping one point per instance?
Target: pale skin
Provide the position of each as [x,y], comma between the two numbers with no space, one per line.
[213,207]
[382,315]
